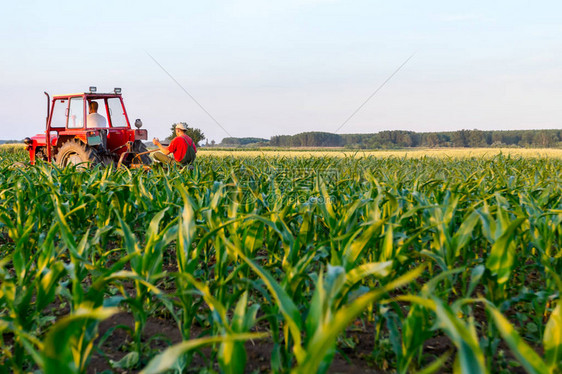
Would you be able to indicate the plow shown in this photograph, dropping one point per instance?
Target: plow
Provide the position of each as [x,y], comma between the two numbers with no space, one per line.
[136,163]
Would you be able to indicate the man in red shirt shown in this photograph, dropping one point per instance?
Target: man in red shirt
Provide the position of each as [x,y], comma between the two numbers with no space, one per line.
[182,147]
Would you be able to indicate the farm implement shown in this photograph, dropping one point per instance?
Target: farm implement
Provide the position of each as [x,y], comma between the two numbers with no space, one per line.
[72,136]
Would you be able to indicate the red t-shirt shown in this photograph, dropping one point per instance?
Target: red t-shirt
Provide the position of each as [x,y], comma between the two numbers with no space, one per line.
[179,146]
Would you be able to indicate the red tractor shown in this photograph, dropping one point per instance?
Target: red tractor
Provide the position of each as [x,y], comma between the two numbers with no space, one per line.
[90,128]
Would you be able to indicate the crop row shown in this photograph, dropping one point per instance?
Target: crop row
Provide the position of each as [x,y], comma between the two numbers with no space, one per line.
[295,252]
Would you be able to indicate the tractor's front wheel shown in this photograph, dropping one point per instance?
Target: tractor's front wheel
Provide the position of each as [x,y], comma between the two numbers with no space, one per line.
[76,153]
[139,147]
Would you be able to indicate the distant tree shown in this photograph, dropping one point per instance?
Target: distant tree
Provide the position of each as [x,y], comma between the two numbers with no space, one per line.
[497,137]
[544,139]
[476,138]
[231,141]
[430,140]
[195,134]
[460,138]
[405,139]
[527,138]
[511,137]
[399,138]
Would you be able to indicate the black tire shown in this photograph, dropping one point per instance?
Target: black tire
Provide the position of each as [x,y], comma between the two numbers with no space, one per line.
[76,153]
[41,153]
[139,147]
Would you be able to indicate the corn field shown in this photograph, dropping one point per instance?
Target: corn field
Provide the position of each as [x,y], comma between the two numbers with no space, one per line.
[312,259]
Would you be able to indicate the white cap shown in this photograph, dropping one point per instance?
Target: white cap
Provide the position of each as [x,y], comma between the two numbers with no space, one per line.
[181,126]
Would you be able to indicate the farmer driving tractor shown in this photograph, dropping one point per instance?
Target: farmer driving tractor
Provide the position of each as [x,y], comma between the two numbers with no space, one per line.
[94,119]
[182,147]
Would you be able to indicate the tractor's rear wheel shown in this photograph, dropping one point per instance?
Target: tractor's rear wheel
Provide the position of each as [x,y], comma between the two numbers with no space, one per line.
[75,153]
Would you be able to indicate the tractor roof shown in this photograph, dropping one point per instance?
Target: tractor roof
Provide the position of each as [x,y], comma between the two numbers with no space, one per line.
[92,95]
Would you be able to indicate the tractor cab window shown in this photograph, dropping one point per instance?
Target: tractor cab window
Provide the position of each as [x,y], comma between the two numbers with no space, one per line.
[117,113]
[97,113]
[59,113]
[76,113]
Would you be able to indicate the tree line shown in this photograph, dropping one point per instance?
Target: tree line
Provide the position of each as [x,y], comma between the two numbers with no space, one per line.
[406,139]
[231,141]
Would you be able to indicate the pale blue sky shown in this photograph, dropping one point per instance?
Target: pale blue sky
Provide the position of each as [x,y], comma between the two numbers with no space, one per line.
[263,68]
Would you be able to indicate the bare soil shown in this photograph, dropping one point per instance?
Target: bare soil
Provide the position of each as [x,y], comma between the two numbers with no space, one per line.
[356,360]
[258,352]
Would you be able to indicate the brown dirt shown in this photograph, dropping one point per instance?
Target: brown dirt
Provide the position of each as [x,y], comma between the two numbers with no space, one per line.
[258,352]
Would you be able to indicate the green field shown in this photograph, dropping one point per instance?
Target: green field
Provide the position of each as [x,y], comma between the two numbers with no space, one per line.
[283,263]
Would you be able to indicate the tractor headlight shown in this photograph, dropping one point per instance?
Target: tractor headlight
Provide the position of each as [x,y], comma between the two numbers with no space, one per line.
[93,89]
[117,90]
[28,141]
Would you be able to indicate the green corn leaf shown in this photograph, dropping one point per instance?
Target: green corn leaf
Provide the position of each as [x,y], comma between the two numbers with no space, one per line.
[436,365]
[131,244]
[475,276]
[314,316]
[48,283]
[430,286]
[501,258]
[388,245]
[552,339]
[335,279]
[127,362]
[325,336]
[415,331]
[18,260]
[464,233]
[358,245]
[131,275]
[423,301]
[470,356]
[284,301]
[439,260]
[250,317]
[167,359]
[186,234]
[378,269]
[12,230]
[214,304]
[253,236]
[66,231]
[232,355]
[488,223]
[64,336]
[239,313]
[524,354]
[30,342]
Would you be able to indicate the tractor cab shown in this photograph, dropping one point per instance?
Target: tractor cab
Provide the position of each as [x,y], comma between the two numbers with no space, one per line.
[88,127]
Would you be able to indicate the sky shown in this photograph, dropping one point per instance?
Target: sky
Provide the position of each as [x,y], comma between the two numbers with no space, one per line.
[249,68]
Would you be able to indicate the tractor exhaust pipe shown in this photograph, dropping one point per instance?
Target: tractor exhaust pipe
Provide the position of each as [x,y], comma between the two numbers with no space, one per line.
[48,131]
[48,108]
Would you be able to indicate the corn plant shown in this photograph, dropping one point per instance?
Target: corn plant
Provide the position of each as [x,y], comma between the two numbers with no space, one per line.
[303,248]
